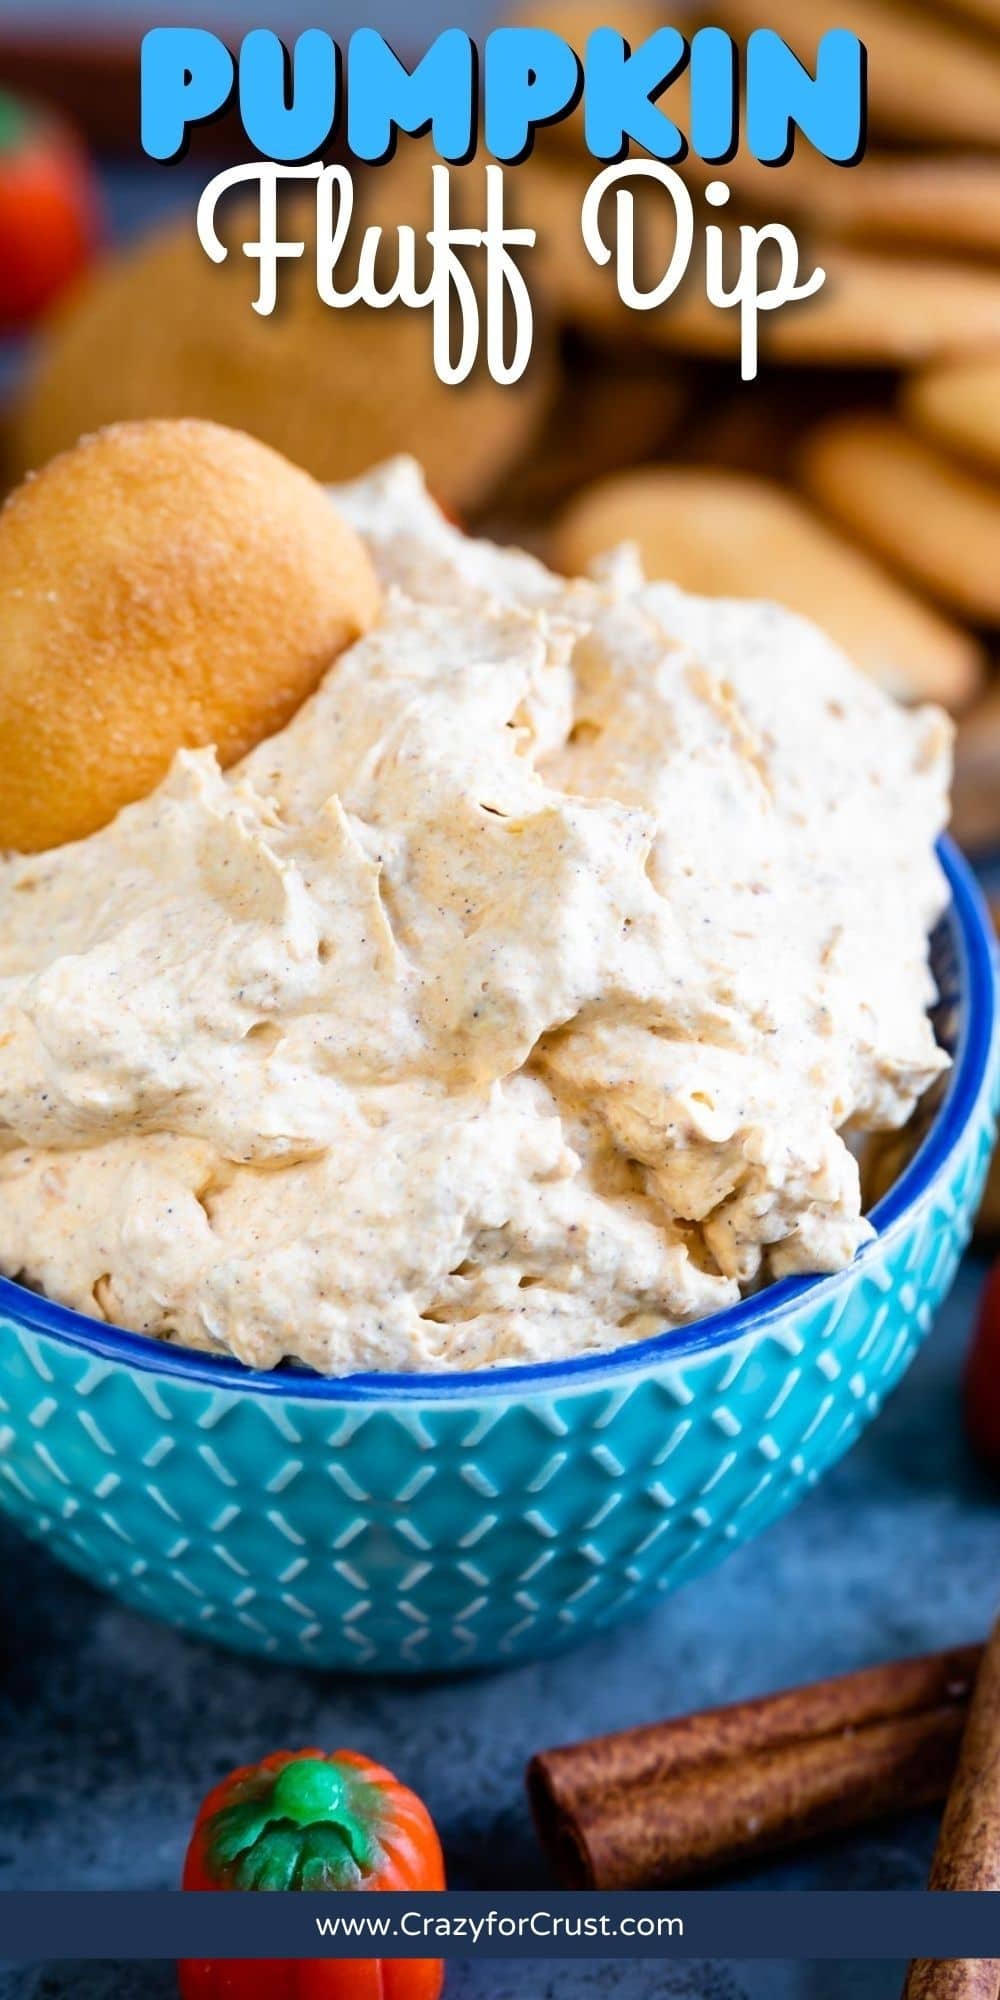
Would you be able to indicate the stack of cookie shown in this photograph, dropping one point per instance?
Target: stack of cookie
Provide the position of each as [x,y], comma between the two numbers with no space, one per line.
[859,477]
[920,486]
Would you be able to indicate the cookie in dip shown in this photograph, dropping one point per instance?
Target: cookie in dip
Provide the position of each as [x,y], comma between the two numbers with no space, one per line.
[522,997]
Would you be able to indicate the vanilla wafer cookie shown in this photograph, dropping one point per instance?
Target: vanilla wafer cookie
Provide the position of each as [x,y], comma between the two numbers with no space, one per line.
[160,331]
[875,308]
[957,403]
[164,587]
[903,498]
[940,202]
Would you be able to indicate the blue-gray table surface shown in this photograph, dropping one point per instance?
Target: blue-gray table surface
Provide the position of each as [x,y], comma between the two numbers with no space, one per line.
[111,1727]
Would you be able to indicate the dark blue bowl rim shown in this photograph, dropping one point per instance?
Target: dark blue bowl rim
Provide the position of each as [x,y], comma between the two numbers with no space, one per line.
[977,959]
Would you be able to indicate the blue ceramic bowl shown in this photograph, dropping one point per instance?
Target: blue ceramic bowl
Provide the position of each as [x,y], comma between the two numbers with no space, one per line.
[428,1522]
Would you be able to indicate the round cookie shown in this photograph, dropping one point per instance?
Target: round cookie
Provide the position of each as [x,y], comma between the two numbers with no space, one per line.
[939,201]
[958,404]
[944,203]
[877,308]
[162,332]
[162,586]
[900,496]
[728,534]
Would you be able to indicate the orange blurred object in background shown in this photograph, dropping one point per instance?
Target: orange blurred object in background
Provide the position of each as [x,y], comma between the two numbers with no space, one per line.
[50,210]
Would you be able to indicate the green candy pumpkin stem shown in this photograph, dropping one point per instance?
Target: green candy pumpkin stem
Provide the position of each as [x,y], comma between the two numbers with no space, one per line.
[310,1822]
[308,1791]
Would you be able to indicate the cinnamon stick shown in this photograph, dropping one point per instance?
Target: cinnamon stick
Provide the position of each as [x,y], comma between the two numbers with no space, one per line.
[953,1979]
[967,1855]
[684,1797]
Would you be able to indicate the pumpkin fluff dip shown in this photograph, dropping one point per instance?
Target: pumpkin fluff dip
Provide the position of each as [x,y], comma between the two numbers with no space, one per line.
[523,994]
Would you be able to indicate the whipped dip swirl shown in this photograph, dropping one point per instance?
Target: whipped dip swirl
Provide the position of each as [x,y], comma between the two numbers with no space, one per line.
[520,999]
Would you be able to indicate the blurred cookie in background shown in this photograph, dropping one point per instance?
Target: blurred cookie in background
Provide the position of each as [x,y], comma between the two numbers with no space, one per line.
[727,534]
[891,309]
[160,331]
[874,309]
[910,201]
[924,501]
[910,241]
[927,516]
[958,404]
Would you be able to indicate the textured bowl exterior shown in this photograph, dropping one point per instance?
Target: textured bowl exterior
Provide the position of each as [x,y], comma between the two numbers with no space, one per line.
[472,1520]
